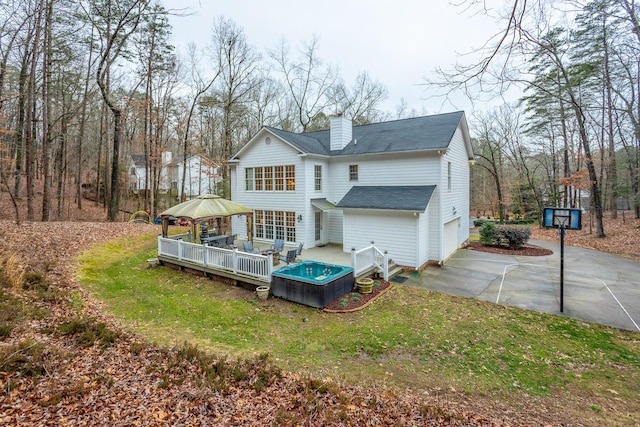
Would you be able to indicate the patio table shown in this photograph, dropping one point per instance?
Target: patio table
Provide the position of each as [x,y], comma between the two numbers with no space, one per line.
[217,241]
[276,255]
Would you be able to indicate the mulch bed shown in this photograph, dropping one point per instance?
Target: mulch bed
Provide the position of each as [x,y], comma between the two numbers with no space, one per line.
[526,250]
[355,301]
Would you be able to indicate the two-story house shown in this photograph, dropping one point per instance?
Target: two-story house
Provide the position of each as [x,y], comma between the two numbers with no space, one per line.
[402,184]
[200,177]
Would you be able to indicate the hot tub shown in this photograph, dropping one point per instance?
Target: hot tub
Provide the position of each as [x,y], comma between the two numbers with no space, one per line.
[312,283]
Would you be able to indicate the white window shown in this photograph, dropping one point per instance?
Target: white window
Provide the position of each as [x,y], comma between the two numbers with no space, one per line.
[248,176]
[270,178]
[318,177]
[275,225]
[353,172]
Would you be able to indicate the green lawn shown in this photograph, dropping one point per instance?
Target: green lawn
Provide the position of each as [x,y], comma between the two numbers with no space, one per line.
[409,338]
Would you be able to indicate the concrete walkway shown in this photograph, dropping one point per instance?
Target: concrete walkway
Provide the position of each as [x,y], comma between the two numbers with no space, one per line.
[598,287]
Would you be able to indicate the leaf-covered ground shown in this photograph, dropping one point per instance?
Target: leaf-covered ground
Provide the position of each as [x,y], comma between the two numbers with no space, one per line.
[65,362]
[622,235]
[54,373]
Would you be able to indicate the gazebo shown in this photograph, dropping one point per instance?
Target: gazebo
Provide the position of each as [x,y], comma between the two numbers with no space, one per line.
[203,208]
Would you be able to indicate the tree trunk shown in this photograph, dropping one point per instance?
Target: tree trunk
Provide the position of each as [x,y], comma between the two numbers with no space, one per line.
[20,134]
[46,111]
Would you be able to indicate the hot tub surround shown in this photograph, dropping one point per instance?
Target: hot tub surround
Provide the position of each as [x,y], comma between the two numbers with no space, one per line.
[312,283]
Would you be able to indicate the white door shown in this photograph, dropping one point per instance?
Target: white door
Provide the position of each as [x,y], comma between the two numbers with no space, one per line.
[450,237]
[318,227]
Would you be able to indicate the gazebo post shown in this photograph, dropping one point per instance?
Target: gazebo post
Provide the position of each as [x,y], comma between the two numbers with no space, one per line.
[250,227]
[165,227]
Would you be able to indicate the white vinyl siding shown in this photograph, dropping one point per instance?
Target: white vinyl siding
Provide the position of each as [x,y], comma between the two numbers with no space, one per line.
[199,178]
[454,204]
[410,239]
[394,232]
[409,169]
[275,154]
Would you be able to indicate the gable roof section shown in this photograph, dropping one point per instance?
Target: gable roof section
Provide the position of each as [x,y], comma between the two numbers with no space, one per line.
[399,198]
[305,142]
[429,133]
[138,160]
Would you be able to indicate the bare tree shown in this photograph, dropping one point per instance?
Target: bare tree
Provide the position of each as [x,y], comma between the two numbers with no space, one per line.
[201,86]
[115,21]
[529,32]
[306,81]
[238,65]
[361,100]
[490,157]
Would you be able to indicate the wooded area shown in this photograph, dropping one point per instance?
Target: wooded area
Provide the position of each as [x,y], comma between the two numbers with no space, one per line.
[572,139]
[85,84]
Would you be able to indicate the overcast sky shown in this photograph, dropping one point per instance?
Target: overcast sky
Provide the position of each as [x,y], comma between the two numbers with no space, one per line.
[397,42]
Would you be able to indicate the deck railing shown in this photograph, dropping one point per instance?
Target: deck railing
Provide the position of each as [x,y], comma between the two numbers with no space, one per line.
[370,257]
[231,260]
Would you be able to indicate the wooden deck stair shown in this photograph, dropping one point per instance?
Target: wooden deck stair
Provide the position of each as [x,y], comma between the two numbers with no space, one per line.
[394,270]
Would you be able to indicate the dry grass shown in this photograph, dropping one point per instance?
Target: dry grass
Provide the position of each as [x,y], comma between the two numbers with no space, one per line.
[14,272]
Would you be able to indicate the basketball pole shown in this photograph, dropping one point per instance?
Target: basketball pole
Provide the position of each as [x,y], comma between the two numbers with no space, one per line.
[562,267]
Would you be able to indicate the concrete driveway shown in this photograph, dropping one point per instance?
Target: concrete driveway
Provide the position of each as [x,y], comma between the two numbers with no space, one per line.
[598,287]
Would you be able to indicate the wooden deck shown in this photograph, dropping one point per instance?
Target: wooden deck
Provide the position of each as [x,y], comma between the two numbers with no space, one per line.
[231,278]
[242,268]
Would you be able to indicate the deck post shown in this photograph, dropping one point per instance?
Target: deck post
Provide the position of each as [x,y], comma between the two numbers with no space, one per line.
[354,261]
[270,266]
[234,261]
[385,266]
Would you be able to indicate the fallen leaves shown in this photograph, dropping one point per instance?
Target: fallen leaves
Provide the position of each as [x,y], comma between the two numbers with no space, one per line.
[621,235]
[136,383]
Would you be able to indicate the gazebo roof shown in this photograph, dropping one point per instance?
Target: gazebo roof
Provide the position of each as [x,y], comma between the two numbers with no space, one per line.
[205,207]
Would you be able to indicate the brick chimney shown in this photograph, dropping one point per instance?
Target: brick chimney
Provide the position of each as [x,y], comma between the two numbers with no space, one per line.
[340,132]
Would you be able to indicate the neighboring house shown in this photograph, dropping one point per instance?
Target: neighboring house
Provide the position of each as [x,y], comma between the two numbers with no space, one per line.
[201,175]
[402,184]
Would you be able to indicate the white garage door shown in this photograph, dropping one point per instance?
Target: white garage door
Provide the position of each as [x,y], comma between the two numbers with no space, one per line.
[451,230]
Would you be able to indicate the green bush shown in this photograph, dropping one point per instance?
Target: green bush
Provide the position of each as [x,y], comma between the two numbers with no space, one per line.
[522,221]
[513,237]
[489,233]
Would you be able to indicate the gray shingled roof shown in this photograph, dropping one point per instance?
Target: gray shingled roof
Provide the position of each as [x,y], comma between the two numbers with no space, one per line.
[303,141]
[138,160]
[416,134]
[401,198]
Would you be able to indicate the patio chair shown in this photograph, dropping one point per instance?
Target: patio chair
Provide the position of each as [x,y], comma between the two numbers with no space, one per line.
[291,256]
[278,245]
[299,250]
[248,247]
[229,242]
